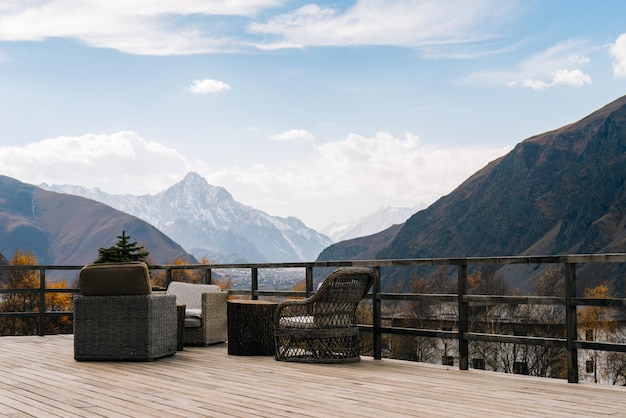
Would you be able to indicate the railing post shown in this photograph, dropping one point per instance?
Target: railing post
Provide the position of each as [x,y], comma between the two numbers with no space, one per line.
[308,279]
[463,317]
[208,276]
[42,301]
[168,276]
[571,322]
[254,288]
[377,316]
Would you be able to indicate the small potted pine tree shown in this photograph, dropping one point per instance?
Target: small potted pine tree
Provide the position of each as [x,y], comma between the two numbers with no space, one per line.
[124,251]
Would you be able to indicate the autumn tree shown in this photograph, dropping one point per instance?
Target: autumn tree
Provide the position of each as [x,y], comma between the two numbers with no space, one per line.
[486,281]
[59,302]
[424,313]
[548,361]
[398,314]
[299,287]
[395,308]
[21,302]
[616,366]
[365,315]
[519,319]
[446,313]
[596,323]
[188,275]
[487,318]
[551,283]
[29,301]
[441,282]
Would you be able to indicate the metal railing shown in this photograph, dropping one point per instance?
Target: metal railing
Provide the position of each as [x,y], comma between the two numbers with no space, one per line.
[463,335]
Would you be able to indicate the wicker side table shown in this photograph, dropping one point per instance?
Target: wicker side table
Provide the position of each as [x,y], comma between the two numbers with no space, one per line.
[251,327]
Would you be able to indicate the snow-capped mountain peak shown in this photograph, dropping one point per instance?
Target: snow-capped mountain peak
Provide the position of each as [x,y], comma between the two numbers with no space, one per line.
[208,222]
[378,221]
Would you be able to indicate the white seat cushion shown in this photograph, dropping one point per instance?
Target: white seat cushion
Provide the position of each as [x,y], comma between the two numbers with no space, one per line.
[190,294]
[193,313]
[301,321]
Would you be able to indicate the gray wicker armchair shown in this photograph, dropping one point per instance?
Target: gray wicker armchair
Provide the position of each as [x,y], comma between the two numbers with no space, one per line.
[206,320]
[323,328]
[116,317]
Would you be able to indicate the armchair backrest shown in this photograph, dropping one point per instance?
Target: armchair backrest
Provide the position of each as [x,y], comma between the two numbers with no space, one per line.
[336,301]
[114,279]
[190,294]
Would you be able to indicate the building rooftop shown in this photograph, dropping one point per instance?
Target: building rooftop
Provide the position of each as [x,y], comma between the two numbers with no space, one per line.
[39,377]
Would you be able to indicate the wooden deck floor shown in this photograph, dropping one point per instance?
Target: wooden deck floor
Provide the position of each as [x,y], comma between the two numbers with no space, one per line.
[39,377]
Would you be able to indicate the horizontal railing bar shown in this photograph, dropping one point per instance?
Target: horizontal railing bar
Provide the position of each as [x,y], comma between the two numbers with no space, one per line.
[37,290]
[602,346]
[417,332]
[281,293]
[39,267]
[596,258]
[515,300]
[515,339]
[606,302]
[35,314]
[417,296]
[549,259]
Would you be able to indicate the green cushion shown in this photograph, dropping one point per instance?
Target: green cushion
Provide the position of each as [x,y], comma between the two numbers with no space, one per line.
[110,279]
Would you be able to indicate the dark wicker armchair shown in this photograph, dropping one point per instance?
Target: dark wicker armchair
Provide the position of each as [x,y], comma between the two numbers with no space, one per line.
[116,316]
[323,328]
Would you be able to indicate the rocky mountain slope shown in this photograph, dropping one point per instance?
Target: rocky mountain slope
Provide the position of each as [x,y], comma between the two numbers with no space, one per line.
[208,222]
[68,230]
[559,192]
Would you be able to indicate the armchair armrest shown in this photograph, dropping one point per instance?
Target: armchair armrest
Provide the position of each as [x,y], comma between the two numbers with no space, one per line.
[214,317]
[296,313]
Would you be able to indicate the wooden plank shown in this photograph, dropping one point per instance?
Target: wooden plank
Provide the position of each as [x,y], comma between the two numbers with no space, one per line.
[39,377]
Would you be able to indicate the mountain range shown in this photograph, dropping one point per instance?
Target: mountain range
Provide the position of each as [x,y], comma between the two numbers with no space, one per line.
[378,221]
[559,192]
[556,193]
[208,222]
[61,229]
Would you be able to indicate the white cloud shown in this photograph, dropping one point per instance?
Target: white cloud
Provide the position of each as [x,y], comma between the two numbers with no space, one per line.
[293,135]
[578,59]
[560,64]
[338,181]
[575,78]
[405,23]
[176,27]
[618,52]
[347,179]
[153,27]
[119,163]
[533,84]
[207,86]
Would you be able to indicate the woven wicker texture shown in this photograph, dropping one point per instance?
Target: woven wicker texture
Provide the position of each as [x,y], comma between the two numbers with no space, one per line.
[214,328]
[323,328]
[134,327]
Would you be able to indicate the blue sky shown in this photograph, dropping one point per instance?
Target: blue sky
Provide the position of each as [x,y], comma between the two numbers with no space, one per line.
[321,110]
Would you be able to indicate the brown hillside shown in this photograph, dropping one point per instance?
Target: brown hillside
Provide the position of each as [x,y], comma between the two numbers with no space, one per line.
[68,230]
[559,192]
